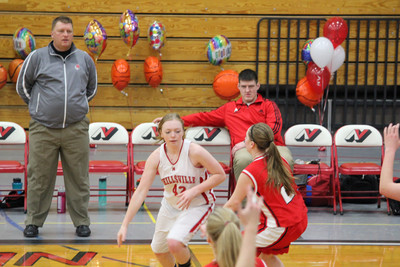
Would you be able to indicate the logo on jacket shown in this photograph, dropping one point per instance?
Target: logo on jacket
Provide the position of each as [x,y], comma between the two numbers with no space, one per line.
[357,135]
[5,132]
[104,133]
[150,133]
[307,135]
[207,134]
[77,67]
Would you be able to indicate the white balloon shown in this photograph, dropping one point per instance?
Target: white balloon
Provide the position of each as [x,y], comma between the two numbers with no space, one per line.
[337,59]
[321,51]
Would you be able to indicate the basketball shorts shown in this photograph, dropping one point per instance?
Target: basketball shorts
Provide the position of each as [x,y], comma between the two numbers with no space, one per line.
[276,240]
[180,225]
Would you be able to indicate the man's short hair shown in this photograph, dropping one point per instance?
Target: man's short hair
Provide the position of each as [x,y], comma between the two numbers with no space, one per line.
[63,19]
[248,75]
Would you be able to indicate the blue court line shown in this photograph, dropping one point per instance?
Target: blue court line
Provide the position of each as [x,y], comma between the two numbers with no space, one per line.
[14,224]
[68,247]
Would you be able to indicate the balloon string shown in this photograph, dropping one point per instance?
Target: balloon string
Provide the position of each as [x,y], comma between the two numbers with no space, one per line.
[323,105]
[129,54]
[129,108]
[166,98]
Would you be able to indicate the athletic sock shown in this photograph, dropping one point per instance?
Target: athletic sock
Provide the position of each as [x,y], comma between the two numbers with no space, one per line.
[187,264]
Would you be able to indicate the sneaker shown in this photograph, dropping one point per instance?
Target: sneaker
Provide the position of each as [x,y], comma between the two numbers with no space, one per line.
[31,231]
[83,231]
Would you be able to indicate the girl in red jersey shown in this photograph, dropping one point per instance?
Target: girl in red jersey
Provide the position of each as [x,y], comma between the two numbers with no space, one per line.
[188,172]
[283,215]
[223,233]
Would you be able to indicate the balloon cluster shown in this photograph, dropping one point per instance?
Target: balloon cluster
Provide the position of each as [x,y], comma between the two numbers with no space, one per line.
[323,56]
[95,39]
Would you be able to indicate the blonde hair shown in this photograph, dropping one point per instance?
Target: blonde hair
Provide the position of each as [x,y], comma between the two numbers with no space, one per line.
[278,174]
[223,227]
[169,117]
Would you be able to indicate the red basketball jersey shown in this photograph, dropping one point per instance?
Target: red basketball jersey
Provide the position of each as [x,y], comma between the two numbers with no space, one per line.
[278,209]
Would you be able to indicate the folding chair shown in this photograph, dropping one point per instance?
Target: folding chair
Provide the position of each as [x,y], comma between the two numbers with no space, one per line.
[305,140]
[218,142]
[366,142]
[13,138]
[107,141]
[112,135]
[143,143]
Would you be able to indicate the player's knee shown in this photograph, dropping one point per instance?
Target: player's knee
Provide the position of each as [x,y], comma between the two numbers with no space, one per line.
[175,246]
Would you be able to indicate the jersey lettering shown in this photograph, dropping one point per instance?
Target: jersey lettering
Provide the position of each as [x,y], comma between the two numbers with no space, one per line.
[176,188]
[287,198]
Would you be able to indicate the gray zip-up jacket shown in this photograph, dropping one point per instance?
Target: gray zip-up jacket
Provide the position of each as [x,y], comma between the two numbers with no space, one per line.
[57,90]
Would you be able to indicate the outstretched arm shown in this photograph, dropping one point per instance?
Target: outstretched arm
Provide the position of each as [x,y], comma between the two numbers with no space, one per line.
[150,171]
[249,217]
[386,185]
[240,192]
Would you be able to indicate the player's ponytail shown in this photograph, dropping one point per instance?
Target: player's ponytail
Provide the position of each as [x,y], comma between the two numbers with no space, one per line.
[223,228]
[278,174]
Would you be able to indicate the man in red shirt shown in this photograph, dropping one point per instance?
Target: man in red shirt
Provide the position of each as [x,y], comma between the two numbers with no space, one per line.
[239,115]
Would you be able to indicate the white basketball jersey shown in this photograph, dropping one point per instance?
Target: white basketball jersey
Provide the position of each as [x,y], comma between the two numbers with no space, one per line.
[182,175]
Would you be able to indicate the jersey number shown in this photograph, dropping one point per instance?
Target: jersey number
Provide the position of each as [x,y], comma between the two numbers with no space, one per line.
[287,198]
[180,188]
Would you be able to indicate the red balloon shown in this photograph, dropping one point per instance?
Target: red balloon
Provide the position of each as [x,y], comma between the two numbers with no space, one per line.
[318,77]
[335,29]
[306,95]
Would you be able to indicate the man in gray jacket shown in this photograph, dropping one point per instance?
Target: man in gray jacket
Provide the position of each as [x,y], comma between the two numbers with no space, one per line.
[57,82]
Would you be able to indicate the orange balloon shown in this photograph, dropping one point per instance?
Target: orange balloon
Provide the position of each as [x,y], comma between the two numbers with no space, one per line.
[153,71]
[306,95]
[14,68]
[3,76]
[225,84]
[120,74]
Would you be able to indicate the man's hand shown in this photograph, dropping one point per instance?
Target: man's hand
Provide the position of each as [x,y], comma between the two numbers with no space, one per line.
[157,120]
[238,146]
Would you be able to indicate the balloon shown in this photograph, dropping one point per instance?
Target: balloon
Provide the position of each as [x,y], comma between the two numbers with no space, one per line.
[156,35]
[95,39]
[225,84]
[3,76]
[129,28]
[153,71]
[337,59]
[335,29]
[120,74]
[321,51]
[219,50]
[24,42]
[317,77]
[306,95]
[305,52]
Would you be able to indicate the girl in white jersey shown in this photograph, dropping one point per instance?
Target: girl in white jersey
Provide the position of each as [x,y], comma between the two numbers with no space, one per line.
[188,172]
